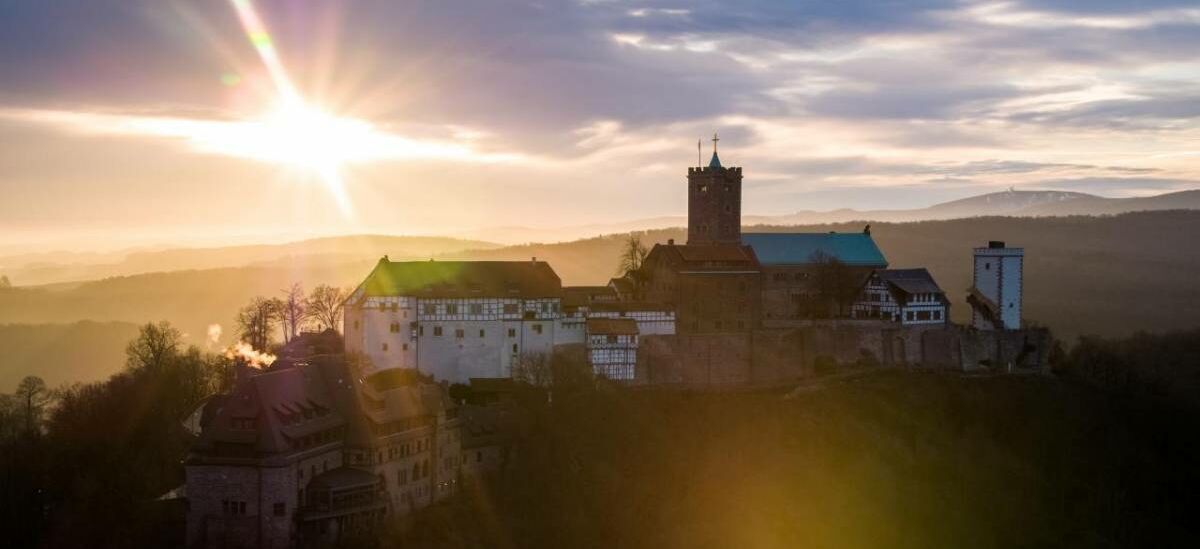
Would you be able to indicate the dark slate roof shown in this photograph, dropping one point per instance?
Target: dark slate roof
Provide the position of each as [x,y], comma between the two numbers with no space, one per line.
[856,249]
[527,279]
[712,256]
[629,306]
[911,281]
[583,295]
[611,326]
[280,406]
[623,284]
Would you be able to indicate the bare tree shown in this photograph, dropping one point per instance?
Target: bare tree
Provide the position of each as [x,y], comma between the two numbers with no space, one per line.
[32,396]
[325,305]
[633,253]
[292,311]
[837,284]
[533,368]
[154,346]
[256,320]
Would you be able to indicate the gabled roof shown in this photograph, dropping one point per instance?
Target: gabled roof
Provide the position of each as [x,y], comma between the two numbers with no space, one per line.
[855,249]
[527,279]
[911,281]
[624,285]
[612,326]
[278,406]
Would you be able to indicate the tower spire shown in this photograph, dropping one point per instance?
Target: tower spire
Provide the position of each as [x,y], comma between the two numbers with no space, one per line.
[699,156]
[715,162]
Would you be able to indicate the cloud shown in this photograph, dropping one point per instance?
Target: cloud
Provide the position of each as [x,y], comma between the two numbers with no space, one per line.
[587,103]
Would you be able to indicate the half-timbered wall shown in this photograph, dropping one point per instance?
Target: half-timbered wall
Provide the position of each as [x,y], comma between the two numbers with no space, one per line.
[452,338]
[613,356]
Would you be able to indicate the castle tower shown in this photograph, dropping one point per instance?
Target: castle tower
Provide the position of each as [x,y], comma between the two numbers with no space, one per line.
[995,297]
[714,203]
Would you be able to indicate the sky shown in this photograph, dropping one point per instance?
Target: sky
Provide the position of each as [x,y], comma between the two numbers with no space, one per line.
[144,122]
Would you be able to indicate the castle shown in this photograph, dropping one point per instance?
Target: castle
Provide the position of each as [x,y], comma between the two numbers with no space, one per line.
[341,432]
[726,307]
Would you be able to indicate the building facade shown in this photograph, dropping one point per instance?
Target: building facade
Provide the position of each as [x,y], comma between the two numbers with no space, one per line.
[906,296]
[455,320]
[996,294]
[307,450]
[612,345]
[803,273]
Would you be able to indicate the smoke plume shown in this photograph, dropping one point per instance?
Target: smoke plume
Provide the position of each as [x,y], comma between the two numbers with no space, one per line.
[252,357]
[214,335]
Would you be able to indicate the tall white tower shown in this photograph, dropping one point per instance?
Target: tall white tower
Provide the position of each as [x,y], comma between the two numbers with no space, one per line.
[995,297]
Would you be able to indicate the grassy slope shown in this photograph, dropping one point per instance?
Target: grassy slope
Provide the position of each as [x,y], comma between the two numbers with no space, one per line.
[890,460]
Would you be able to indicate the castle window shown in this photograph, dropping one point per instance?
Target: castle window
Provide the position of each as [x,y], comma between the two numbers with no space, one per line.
[458,333]
[512,332]
[937,315]
[702,188]
[476,308]
[385,347]
[403,346]
[437,331]
[355,324]
[451,309]
[430,309]
[514,348]
[394,328]
[481,333]
[510,308]
[537,328]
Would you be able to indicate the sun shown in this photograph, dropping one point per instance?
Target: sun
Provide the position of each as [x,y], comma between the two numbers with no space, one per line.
[307,138]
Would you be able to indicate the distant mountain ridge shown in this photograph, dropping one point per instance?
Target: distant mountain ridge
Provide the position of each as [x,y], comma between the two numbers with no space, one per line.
[68,267]
[38,269]
[1011,203]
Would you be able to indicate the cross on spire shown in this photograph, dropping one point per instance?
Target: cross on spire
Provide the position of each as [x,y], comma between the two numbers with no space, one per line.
[714,140]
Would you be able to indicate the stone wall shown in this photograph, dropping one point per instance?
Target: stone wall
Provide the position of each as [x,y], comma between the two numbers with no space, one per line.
[209,525]
[775,356]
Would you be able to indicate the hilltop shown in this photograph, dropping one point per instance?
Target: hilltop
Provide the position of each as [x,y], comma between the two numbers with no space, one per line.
[1110,275]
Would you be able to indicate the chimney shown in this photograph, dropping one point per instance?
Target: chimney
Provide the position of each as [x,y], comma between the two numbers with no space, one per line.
[995,244]
[533,259]
[670,241]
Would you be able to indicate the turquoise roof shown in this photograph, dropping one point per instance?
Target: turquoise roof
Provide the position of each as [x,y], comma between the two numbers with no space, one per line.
[715,162]
[856,249]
